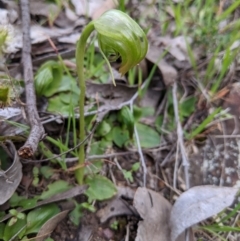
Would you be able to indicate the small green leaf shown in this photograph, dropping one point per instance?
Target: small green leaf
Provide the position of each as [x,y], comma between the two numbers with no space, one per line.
[47,171]
[13,212]
[18,228]
[128,175]
[120,136]
[103,129]
[148,137]
[15,199]
[126,117]
[37,217]
[187,107]
[29,203]
[2,227]
[76,214]
[88,206]
[100,188]
[62,103]
[21,215]
[203,125]
[48,78]
[135,166]
[55,188]
[12,221]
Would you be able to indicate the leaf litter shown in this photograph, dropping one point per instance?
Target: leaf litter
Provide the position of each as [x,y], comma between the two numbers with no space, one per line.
[213,153]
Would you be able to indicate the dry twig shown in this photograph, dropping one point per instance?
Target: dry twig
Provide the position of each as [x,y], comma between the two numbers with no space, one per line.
[180,135]
[37,130]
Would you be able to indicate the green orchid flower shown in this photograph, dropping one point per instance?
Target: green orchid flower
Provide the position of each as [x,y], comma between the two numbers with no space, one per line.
[118,36]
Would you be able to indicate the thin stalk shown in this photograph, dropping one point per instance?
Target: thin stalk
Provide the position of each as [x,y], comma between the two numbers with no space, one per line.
[80,50]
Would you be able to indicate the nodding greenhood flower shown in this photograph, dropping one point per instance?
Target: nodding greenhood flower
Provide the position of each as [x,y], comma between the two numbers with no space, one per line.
[119,35]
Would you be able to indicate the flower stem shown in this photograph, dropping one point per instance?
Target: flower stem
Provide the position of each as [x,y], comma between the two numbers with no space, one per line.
[80,50]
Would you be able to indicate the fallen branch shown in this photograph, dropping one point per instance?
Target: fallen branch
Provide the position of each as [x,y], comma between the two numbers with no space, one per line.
[37,130]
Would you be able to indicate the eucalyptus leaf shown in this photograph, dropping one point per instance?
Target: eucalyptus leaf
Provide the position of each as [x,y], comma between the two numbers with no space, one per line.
[197,204]
[100,188]
[50,225]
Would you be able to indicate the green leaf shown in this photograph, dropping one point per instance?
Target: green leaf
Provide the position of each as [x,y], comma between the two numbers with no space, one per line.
[203,125]
[62,103]
[18,228]
[88,206]
[55,188]
[119,35]
[2,227]
[68,84]
[29,203]
[148,137]
[48,239]
[187,107]
[127,175]
[37,217]
[100,188]
[76,214]
[120,136]
[48,78]
[46,171]
[15,199]
[126,117]
[103,129]
[135,166]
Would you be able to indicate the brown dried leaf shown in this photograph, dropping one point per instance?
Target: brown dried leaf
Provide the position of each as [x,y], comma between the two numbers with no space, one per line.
[155,212]
[107,5]
[117,206]
[50,225]
[168,72]
[93,9]
[198,204]
[10,179]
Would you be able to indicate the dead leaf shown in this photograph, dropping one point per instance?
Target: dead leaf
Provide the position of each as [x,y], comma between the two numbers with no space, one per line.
[198,204]
[50,225]
[155,212]
[117,206]
[92,9]
[11,114]
[168,72]
[42,8]
[10,179]
[107,5]
[177,47]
